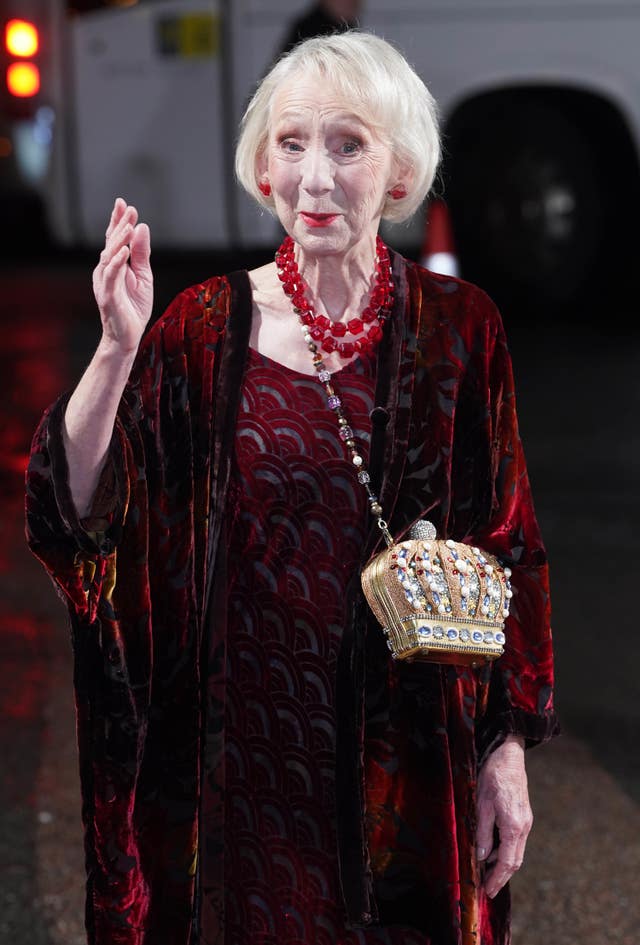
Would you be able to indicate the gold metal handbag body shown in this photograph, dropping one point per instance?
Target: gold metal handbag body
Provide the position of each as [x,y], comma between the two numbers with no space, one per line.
[436,600]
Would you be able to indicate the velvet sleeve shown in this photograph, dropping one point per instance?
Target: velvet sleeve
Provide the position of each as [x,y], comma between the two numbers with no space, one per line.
[519,696]
[78,554]
[81,555]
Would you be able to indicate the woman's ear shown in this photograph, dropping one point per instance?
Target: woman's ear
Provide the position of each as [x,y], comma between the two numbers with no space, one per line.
[262,165]
[401,179]
[262,175]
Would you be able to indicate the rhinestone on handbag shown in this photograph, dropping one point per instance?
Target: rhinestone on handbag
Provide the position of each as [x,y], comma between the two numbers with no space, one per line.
[424,530]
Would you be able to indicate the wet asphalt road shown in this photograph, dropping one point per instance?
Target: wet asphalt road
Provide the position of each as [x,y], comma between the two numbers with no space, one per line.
[578,405]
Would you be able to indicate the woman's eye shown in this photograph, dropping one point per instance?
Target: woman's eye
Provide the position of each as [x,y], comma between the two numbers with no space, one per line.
[351,147]
[289,145]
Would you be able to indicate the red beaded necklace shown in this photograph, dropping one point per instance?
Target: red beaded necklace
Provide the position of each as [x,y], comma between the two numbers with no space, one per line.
[322,329]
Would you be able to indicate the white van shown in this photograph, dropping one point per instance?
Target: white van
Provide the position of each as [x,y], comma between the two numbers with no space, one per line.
[540,106]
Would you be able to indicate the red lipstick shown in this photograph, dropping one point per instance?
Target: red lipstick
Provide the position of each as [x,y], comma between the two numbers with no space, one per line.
[318,219]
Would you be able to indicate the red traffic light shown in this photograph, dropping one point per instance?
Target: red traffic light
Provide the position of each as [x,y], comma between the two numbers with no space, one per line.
[21,38]
[23,79]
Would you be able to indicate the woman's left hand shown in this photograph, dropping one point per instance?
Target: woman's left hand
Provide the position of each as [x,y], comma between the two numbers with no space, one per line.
[503,802]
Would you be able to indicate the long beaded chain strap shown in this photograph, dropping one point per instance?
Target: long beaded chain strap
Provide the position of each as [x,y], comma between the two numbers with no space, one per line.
[314,331]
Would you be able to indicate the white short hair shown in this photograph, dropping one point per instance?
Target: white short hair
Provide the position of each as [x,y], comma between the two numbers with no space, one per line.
[386,92]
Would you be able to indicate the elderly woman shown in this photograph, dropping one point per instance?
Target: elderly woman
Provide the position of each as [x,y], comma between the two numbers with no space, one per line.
[255,767]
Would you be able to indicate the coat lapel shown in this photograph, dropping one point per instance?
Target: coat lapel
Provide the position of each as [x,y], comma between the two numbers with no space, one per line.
[394,393]
[228,323]
[227,384]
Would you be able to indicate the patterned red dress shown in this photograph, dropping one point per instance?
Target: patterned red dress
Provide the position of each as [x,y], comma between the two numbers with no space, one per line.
[299,524]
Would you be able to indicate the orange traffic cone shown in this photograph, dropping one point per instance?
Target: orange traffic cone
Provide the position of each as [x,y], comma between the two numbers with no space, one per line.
[438,249]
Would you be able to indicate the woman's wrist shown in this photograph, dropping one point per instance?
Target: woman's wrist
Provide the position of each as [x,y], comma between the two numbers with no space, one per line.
[111,350]
[513,739]
[511,746]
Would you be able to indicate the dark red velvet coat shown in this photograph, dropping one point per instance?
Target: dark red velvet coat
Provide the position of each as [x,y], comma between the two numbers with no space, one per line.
[144,581]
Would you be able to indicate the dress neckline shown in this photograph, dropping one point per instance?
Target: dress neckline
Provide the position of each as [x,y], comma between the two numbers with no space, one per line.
[347,368]
[312,375]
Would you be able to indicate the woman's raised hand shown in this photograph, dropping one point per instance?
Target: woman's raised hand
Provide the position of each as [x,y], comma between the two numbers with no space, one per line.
[123,281]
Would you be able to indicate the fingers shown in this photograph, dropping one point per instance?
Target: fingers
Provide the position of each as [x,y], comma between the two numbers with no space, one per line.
[124,261]
[120,230]
[486,821]
[508,861]
[116,215]
[120,208]
[115,263]
[113,272]
[113,258]
[508,857]
[119,238]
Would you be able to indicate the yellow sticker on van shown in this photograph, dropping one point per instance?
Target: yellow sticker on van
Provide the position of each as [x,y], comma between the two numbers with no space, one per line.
[193,35]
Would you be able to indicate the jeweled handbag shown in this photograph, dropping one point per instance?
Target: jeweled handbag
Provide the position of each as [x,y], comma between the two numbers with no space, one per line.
[441,601]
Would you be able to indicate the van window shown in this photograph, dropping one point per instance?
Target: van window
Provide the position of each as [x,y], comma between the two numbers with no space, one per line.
[87,6]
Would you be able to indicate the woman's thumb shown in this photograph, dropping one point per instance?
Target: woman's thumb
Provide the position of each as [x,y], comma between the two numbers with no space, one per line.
[140,246]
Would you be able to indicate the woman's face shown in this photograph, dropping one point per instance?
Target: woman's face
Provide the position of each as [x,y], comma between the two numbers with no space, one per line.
[329,170]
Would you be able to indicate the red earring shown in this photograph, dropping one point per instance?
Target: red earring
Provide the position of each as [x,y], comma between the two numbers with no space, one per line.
[397,193]
[265,188]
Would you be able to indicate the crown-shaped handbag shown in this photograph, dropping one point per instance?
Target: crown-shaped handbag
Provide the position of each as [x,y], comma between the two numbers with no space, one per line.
[436,600]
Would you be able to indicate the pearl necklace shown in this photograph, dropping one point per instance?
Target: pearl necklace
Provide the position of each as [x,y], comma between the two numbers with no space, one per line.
[312,331]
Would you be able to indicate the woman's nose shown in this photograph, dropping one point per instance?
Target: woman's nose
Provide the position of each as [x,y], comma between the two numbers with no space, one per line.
[317,171]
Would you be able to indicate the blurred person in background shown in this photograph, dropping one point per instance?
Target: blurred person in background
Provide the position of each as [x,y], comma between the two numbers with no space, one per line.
[255,767]
[322,19]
